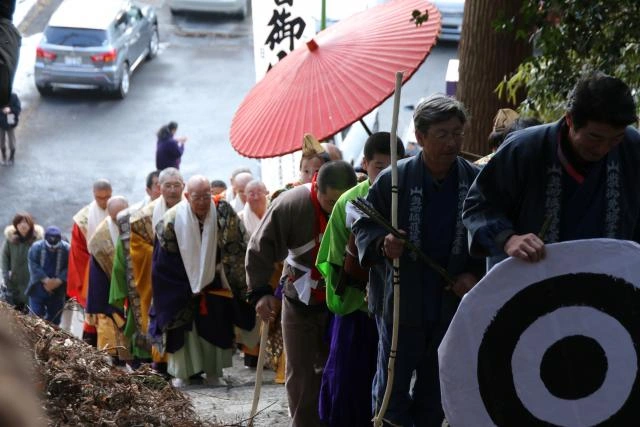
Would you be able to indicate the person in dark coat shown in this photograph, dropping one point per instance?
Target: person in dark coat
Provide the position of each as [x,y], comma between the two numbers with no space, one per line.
[48,260]
[573,179]
[8,121]
[19,236]
[169,149]
[9,49]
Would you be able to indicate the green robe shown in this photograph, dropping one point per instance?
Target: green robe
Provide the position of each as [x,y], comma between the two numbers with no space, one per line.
[118,292]
[331,255]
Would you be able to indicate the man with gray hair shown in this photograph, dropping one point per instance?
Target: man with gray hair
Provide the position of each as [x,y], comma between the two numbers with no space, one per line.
[240,182]
[431,188]
[197,270]
[108,320]
[85,222]
[231,195]
[254,210]
[138,291]
[256,205]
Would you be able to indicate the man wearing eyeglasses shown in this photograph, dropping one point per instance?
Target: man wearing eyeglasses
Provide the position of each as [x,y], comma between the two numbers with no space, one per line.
[124,294]
[573,179]
[197,270]
[431,188]
[142,225]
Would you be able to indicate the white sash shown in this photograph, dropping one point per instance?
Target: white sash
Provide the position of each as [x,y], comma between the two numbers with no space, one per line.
[198,251]
[94,217]
[113,231]
[237,204]
[304,283]
[249,219]
[158,211]
[139,205]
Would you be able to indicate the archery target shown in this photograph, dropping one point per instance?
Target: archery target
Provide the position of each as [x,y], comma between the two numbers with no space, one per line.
[551,343]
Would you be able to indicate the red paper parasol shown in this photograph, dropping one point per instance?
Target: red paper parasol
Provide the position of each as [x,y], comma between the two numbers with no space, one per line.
[336,79]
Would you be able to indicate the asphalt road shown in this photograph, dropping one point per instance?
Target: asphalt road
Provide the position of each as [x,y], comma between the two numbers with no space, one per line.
[201,75]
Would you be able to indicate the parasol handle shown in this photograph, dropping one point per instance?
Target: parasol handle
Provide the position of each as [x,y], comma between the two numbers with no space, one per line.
[379,417]
[258,386]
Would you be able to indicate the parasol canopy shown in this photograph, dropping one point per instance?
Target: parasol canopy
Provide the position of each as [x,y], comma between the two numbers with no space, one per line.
[334,80]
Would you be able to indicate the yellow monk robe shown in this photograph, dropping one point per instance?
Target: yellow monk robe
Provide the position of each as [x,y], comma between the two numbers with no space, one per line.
[110,320]
[141,247]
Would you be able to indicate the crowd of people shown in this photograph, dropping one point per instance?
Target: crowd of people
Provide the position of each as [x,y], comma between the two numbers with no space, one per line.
[186,276]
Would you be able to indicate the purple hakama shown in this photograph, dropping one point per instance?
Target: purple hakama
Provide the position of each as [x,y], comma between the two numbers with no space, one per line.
[345,394]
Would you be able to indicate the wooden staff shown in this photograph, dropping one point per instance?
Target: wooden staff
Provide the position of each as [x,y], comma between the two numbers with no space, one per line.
[256,391]
[379,417]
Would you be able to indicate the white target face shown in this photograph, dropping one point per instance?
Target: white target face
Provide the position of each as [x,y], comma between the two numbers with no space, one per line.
[554,342]
[615,368]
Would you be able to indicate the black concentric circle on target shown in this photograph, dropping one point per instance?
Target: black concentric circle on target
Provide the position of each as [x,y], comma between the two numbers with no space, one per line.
[613,296]
[574,367]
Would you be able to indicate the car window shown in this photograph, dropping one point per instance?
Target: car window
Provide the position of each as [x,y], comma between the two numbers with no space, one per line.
[135,14]
[75,37]
[122,21]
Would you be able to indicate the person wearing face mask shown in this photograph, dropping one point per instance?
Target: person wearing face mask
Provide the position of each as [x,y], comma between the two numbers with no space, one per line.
[19,236]
[48,259]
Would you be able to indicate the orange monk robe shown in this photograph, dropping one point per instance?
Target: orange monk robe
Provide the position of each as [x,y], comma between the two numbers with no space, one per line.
[78,268]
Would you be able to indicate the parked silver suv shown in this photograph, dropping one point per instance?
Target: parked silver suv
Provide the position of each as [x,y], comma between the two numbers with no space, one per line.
[90,44]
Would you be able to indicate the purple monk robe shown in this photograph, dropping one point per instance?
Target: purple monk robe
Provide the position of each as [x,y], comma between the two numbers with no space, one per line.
[345,393]
[98,293]
[176,309]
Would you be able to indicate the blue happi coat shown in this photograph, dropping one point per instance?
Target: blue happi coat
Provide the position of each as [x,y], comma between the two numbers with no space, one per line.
[430,213]
[525,185]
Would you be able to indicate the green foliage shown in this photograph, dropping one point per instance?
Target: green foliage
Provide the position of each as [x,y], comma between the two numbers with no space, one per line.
[570,38]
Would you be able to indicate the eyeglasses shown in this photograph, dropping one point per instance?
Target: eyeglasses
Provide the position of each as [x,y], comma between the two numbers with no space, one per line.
[443,136]
[172,186]
[200,197]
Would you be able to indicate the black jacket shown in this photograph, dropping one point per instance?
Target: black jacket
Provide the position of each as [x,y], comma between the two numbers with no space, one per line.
[14,104]
[7,7]
[9,50]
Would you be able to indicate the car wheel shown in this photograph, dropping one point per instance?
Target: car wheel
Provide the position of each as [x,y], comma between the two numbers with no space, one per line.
[154,44]
[44,90]
[123,88]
